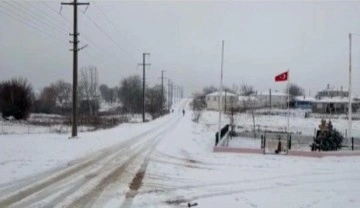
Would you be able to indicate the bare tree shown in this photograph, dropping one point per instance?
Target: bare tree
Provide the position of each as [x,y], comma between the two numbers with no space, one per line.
[89,85]
[130,94]
[295,90]
[62,93]
[16,98]
[198,105]
[249,102]
[209,89]
[153,101]
[247,90]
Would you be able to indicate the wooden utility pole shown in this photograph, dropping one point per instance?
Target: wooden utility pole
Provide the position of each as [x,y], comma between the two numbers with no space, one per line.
[221,86]
[144,64]
[162,92]
[75,50]
[169,95]
[350,98]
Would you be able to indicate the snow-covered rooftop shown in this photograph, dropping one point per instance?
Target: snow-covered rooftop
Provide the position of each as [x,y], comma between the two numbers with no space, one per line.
[273,93]
[304,98]
[245,98]
[217,93]
[333,100]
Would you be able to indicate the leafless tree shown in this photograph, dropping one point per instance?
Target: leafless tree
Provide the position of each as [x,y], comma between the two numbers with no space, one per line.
[294,90]
[198,105]
[62,92]
[249,102]
[247,90]
[130,94]
[89,85]
[16,98]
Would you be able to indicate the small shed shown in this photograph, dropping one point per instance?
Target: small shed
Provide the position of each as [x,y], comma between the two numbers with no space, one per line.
[334,105]
[302,102]
[272,99]
[228,100]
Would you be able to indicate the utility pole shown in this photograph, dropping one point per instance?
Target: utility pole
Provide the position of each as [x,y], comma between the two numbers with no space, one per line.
[75,50]
[174,93]
[144,64]
[169,95]
[221,86]
[350,97]
[162,91]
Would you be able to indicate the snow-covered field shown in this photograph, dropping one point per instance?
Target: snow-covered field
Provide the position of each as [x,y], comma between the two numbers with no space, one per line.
[187,171]
[24,155]
[182,168]
[298,124]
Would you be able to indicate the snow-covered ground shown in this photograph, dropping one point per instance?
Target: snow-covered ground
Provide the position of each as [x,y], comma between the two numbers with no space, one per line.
[25,128]
[298,123]
[183,168]
[24,155]
[187,171]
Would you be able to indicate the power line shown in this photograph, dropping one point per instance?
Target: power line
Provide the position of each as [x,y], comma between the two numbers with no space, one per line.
[35,16]
[93,44]
[112,23]
[49,17]
[43,32]
[108,36]
[57,12]
[85,37]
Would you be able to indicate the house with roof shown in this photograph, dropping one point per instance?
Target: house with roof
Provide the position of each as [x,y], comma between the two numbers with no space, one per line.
[247,102]
[334,105]
[332,92]
[334,101]
[229,100]
[272,99]
[302,102]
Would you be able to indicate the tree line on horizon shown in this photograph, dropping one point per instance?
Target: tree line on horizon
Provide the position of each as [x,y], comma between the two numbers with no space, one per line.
[18,99]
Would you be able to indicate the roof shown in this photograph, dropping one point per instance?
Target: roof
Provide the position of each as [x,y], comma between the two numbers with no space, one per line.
[333,100]
[245,98]
[304,98]
[216,94]
[273,93]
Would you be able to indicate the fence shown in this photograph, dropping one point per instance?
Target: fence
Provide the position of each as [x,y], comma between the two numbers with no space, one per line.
[292,142]
[24,128]
[224,134]
[276,142]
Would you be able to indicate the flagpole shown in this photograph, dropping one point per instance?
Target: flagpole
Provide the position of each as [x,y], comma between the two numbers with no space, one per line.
[288,102]
[349,135]
[221,86]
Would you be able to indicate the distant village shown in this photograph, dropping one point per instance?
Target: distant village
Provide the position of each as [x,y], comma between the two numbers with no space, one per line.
[327,101]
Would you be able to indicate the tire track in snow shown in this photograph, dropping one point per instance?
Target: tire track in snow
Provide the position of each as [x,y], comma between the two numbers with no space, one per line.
[180,200]
[92,197]
[137,181]
[36,186]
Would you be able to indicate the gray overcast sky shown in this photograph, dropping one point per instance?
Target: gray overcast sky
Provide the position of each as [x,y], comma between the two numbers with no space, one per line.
[262,39]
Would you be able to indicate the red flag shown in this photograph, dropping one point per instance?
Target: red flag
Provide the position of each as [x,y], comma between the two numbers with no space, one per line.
[282,77]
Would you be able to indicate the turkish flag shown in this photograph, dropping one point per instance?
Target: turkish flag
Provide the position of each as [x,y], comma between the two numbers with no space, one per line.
[282,77]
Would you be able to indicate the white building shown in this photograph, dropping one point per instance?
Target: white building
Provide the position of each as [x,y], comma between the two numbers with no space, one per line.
[228,100]
[247,102]
[273,99]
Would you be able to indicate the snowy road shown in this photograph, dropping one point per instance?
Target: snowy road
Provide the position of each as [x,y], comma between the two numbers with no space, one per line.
[168,163]
[93,180]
